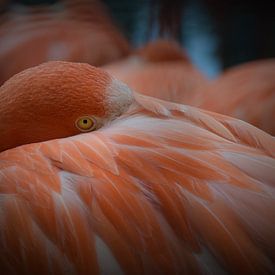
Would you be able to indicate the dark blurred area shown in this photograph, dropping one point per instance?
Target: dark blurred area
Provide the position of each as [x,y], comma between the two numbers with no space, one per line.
[246,29]
[216,34]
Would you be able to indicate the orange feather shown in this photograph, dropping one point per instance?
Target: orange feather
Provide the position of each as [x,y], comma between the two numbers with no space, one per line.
[162,188]
[247,92]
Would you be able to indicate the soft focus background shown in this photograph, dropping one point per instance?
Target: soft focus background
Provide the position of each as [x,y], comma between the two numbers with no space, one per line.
[216,34]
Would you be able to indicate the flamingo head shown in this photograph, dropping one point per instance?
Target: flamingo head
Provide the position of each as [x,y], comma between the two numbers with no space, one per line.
[163,51]
[58,99]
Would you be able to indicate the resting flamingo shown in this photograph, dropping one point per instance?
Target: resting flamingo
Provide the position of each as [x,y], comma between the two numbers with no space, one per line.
[160,69]
[80,31]
[95,178]
[246,91]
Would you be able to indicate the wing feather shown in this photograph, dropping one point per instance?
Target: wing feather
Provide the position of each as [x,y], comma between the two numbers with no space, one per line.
[157,191]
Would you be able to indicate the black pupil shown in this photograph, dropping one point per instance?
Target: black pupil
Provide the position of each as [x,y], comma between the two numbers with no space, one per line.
[85,121]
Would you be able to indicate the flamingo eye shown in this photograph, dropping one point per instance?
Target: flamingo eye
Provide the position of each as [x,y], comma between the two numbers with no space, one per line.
[86,123]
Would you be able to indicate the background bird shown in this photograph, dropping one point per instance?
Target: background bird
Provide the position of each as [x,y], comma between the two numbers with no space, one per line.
[160,69]
[246,91]
[81,31]
[156,188]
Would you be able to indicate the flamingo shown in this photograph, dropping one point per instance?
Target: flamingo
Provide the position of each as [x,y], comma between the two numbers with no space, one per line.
[96,178]
[246,91]
[79,31]
[160,69]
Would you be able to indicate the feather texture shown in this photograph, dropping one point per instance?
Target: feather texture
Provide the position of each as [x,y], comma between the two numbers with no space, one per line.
[163,189]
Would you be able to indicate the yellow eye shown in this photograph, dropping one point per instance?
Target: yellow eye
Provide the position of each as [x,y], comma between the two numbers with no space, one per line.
[86,123]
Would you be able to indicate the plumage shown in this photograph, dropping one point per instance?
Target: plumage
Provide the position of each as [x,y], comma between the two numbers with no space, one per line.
[247,92]
[161,189]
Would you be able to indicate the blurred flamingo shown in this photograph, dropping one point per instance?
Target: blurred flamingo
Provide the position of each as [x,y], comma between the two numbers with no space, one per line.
[246,91]
[156,188]
[79,30]
[160,69]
